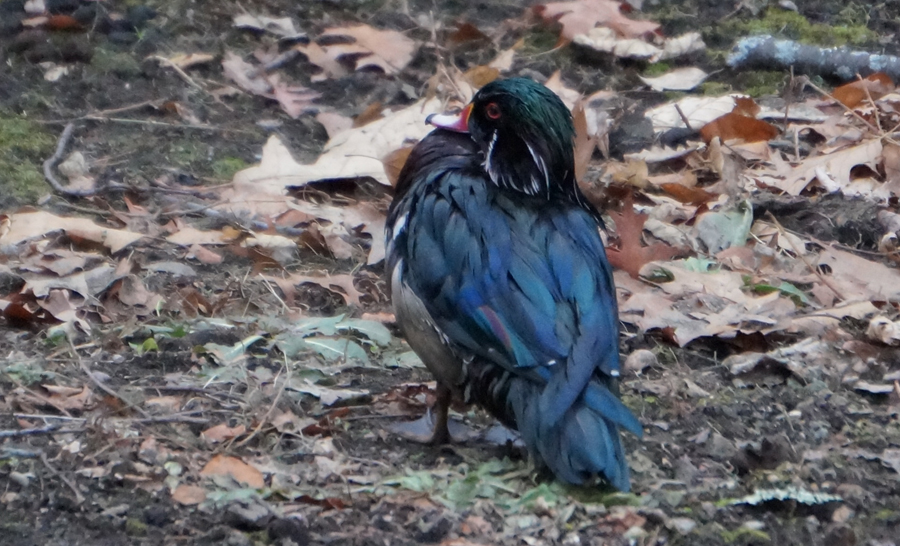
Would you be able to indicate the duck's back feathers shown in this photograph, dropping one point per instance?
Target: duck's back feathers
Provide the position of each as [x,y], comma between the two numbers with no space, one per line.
[519,290]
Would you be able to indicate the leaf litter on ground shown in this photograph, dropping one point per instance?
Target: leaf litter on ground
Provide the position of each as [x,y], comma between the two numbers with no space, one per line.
[742,277]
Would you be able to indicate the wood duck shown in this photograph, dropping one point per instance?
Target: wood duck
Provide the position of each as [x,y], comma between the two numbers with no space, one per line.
[500,281]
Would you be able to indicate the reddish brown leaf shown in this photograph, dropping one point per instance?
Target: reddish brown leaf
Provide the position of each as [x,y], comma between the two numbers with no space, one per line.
[332,503]
[875,86]
[631,254]
[394,162]
[222,432]
[370,114]
[222,465]
[732,126]
[684,194]
[746,106]
[63,22]
[466,32]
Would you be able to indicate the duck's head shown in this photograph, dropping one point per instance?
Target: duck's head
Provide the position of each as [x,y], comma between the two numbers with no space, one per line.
[525,132]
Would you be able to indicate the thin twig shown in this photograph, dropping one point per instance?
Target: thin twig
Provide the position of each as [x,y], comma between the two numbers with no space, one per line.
[272,290]
[78,498]
[50,164]
[684,118]
[844,106]
[160,124]
[178,70]
[827,282]
[265,419]
[45,417]
[42,398]
[104,388]
[7,452]
[171,419]
[49,429]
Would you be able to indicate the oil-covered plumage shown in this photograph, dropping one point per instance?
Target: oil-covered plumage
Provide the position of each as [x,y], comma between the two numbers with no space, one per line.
[500,281]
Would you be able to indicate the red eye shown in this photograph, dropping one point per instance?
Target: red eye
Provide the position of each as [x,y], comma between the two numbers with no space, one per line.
[492,111]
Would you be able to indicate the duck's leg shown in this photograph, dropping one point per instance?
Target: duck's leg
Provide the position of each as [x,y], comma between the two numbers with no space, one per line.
[441,433]
[433,428]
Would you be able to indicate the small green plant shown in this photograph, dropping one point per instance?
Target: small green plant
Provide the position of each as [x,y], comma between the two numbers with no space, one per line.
[141,349]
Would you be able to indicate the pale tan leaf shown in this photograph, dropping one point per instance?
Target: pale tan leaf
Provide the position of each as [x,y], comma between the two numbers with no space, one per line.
[567,95]
[580,16]
[350,154]
[608,40]
[26,226]
[187,60]
[189,236]
[388,50]
[504,60]
[87,283]
[294,99]
[324,59]
[858,278]
[189,495]
[830,168]
[334,123]
[282,26]
[698,110]
[678,46]
[680,79]
[245,75]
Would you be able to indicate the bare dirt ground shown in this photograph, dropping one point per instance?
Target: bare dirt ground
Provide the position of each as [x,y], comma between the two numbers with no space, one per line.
[192,401]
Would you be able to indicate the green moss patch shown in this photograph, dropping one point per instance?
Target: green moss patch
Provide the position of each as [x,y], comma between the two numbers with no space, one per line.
[24,146]
[792,25]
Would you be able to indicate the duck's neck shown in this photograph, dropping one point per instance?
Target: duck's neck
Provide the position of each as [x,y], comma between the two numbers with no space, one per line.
[528,165]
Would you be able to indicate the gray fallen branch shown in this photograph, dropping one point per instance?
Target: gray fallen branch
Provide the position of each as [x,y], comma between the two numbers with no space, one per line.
[765,52]
[50,164]
[49,429]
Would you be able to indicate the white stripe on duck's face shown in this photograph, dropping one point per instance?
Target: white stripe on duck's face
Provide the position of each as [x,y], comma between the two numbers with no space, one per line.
[488,160]
[504,180]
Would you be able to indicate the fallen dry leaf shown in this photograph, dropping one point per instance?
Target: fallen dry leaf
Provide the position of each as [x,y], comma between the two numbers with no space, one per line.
[832,170]
[698,110]
[872,87]
[631,254]
[334,123]
[680,79]
[26,226]
[339,284]
[283,26]
[580,16]
[394,162]
[187,60]
[734,126]
[222,432]
[387,50]
[222,465]
[567,95]
[245,75]
[294,99]
[189,495]
[350,154]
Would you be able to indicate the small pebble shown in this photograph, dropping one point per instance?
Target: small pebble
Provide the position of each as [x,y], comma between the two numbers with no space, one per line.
[640,360]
